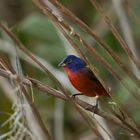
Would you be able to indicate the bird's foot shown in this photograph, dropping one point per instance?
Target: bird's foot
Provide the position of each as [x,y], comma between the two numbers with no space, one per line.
[93,109]
[74,95]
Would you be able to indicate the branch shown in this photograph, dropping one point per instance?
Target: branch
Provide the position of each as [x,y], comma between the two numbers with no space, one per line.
[36,113]
[30,55]
[59,22]
[88,30]
[131,13]
[49,74]
[47,90]
[116,34]
[125,27]
[10,76]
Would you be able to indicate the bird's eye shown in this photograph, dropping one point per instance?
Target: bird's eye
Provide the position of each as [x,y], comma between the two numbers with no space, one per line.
[69,61]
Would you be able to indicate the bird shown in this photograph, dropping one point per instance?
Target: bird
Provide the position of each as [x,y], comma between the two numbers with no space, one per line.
[82,78]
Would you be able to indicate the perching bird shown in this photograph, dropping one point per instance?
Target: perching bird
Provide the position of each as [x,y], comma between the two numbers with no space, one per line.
[82,78]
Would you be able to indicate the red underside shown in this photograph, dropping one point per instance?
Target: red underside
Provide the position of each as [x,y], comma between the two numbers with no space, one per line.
[85,84]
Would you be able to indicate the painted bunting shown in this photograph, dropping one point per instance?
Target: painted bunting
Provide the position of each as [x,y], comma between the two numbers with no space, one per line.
[82,78]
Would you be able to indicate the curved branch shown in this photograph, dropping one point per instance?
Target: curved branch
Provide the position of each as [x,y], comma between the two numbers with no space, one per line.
[47,90]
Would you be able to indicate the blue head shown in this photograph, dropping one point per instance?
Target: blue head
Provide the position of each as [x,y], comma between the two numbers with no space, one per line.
[72,62]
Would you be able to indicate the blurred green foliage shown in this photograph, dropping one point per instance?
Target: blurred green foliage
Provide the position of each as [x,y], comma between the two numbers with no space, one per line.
[41,37]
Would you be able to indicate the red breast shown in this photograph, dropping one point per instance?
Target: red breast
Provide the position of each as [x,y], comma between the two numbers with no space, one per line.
[85,84]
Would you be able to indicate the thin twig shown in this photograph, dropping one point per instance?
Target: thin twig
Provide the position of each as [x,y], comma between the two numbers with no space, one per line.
[28,53]
[51,76]
[116,34]
[47,11]
[36,113]
[131,13]
[60,22]
[120,10]
[50,91]
[34,109]
[88,30]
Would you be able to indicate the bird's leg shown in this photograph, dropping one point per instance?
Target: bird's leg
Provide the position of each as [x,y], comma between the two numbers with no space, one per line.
[95,109]
[96,105]
[77,94]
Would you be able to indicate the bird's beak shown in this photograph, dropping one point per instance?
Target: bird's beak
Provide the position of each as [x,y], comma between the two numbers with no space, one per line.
[61,64]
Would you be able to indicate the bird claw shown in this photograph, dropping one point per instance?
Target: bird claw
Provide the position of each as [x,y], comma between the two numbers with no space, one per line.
[95,109]
[74,95]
